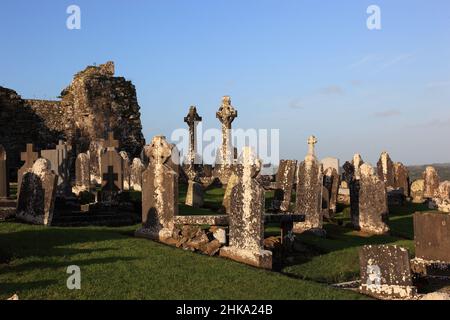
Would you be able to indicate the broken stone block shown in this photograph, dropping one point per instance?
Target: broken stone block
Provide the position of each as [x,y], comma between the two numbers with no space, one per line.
[385,272]
[195,195]
[159,193]
[431,180]
[373,203]
[220,234]
[246,233]
[285,180]
[417,191]
[137,168]
[37,194]
[309,191]
[386,171]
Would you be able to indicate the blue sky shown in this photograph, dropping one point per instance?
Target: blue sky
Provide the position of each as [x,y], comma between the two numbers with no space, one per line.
[304,67]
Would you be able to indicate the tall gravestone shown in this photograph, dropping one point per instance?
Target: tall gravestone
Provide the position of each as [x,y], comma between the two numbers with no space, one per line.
[137,168]
[193,159]
[353,182]
[246,243]
[431,182]
[159,193]
[385,168]
[401,178]
[29,157]
[126,170]
[309,192]
[112,170]
[285,180]
[232,182]
[386,272]
[373,204]
[37,194]
[357,162]
[332,163]
[225,159]
[82,174]
[4,174]
[331,182]
[96,149]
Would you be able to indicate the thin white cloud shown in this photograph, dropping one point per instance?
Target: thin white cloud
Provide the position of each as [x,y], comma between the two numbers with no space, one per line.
[362,61]
[387,113]
[331,90]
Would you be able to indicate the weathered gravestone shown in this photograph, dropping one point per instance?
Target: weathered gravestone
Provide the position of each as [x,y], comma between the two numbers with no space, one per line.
[59,162]
[137,168]
[373,205]
[285,180]
[431,180]
[4,174]
[192,159]
[357,162]
[232,182]
[441,201]
[194,195]
[37,194]
[225,157]
[331,182]
[96,149]
[401,180]
[126,170]
[82,174]
[29,157]
[386,272]
[112,170]
[354,186]
[309,192]
[385,168]
[432,236]
[246,242]
[417,191]
[159,193]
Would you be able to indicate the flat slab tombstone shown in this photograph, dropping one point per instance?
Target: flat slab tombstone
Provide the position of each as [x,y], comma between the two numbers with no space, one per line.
[37,194]
[246,218]
[402,178]
[432,236]
[331,182]
[195,194]
[431,182]
[285,180]
[417,191]
[59,158]
[126,170]
[96,149]
[332,163]
[4,174]
[159,193]
[386,272]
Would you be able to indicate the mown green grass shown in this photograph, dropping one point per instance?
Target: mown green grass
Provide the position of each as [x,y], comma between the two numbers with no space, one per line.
[115,265]
[335,259]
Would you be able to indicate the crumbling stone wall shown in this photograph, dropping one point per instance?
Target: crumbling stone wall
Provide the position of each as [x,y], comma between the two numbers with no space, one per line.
[95,103]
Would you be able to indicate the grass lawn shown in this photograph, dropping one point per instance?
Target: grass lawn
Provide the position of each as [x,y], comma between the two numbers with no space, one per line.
[115,265]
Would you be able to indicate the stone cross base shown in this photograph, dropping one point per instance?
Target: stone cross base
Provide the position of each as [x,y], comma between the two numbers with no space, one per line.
[261,259]
[153,234]
[389,291]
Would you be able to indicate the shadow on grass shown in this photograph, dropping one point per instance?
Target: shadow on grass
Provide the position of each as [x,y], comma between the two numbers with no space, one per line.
[9,288]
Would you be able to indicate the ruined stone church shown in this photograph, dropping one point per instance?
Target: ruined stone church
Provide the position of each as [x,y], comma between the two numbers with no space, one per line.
[95,103]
